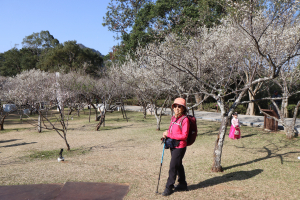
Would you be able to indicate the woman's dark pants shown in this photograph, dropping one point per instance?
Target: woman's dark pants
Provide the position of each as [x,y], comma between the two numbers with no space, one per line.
[176,167]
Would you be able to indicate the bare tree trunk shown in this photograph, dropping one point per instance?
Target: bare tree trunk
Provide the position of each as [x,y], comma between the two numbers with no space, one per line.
[158,117]
[90,114]
[250,109]
[125,113]
[225,116]
[2,122]
[62,132]
[104,120]
[219,146]
[62,108]
[122,112]
[39,122]
[284,109]
[100,122]
[284,105]
[78,109]
[290,132]
[199,98]
[68,146]
[145,111]
[96,115]
[70,111]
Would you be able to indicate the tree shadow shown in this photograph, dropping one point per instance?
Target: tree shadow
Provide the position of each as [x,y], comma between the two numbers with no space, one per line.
[234,176]
[19,144]
[250,135]
[4,141]
[270,155]
[12,122]
[210,132]
[107,128]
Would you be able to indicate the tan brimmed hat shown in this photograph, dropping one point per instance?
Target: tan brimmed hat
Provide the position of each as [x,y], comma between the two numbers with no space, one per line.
[179,101]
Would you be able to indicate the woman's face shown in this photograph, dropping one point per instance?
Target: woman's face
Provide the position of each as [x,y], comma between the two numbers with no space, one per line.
[178,109]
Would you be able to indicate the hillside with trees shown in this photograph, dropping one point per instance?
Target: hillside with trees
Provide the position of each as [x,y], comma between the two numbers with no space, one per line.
[43,51]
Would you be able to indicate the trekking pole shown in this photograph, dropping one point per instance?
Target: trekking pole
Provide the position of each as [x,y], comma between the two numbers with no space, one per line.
[162,157]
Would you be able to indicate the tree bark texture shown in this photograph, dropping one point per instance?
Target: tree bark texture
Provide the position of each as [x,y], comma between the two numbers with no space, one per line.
[284,106]
[145,111]
[2,123]
[96,115]
[39,123]
[123,110]
[90,114]
[250,109]
[68,146]
[219,145]
[158,119]
[100,122]
[290,130]
[199,98]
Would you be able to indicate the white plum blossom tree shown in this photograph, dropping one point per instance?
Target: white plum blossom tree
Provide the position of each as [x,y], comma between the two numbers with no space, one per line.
[214,59]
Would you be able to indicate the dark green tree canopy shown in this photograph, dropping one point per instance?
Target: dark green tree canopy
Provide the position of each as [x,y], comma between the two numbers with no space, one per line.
[121,14]
[71,57]
[40,40]
[153,19]
[43,51]
[10,62]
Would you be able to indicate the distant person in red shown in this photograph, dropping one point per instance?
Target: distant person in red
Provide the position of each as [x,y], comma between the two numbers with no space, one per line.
[235,132]
[179,133]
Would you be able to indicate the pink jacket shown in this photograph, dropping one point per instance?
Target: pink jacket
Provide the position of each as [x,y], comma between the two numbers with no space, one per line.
[179,133]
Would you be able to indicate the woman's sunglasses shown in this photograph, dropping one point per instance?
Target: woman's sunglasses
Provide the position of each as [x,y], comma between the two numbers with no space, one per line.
[179,106]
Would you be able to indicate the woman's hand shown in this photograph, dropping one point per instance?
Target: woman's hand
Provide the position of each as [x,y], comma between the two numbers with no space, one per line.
[165,134]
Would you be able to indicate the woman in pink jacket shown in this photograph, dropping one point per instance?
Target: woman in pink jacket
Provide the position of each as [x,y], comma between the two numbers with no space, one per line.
[178,130]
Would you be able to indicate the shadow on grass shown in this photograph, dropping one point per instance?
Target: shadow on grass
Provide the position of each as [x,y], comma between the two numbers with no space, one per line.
[209,132]
[14,129]
[270,155]
[250,135]
[234,176]
[4,141]
[18,144]
[12,122]
[106,128]
[115,120]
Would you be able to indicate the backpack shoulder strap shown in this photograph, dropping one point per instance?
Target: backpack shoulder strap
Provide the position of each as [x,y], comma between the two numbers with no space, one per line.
[180,124]
[170,128]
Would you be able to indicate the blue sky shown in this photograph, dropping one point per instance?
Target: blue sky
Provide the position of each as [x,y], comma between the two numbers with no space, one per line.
[79,20]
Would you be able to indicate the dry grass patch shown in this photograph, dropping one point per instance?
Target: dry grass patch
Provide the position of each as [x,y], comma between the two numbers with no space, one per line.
[259,166]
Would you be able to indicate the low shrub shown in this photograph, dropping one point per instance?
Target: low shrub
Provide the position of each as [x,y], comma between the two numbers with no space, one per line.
[291,108]
[131,102]
[241,109]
